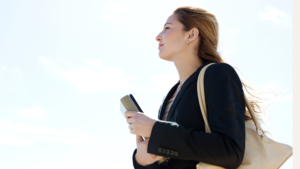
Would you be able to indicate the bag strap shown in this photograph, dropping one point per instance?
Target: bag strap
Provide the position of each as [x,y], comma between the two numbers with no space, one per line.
[201,98]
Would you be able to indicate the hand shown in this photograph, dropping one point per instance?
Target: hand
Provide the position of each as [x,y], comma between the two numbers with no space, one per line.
[142,157]
[140,124]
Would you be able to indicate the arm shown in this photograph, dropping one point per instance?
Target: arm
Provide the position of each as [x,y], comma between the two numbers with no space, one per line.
[225,103]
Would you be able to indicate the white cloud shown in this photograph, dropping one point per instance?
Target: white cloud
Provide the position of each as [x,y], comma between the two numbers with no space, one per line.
[14,139]
[6,125]
[164,81]
[118,10]
[33,113]
[89,157]
[283,98]
[96,78]
[132,16]
[95,63]
[274,15]
[26,134]
[4,68]
[45,60]
[18,72]
[227,42]
[89,80]
[15,70]
[115,11]
[20,140]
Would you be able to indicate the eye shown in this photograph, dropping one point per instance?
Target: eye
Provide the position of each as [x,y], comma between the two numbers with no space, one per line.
[167,28]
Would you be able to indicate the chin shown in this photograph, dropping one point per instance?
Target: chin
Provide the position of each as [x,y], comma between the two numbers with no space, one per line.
[164,57]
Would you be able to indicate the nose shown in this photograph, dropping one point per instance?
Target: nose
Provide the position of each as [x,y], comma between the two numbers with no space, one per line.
[158,37]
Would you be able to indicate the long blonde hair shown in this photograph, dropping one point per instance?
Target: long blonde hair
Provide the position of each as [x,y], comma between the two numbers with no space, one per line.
[207,24]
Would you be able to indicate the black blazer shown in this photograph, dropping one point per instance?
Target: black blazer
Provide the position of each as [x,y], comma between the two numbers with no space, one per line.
[182,137]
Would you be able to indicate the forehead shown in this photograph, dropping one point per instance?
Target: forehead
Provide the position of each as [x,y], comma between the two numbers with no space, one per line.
[172,19]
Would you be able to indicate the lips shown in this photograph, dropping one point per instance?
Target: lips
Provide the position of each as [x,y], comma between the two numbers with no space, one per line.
[160,46]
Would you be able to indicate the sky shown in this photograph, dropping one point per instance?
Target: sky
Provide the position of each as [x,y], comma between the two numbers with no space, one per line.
[65,64]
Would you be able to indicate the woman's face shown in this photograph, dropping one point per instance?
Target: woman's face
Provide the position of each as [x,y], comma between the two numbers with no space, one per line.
[172,39]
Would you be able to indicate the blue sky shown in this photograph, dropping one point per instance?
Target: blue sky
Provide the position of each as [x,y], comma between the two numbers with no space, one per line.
[64,65]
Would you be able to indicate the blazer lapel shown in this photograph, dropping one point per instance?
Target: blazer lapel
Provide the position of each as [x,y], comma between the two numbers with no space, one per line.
[165,101]
[185,85]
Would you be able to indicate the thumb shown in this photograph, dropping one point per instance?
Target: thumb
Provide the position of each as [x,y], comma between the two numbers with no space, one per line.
[158,157]
[139,138]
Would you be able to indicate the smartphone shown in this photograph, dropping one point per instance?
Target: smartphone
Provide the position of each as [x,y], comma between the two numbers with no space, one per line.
[128,103]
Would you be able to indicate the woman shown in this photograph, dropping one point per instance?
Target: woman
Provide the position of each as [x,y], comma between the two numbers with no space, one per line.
[178,138]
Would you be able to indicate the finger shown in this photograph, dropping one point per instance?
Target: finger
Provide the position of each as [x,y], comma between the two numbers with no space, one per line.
[156,158]
[133,130]
[159,157]
[130,120]
[130,114]
[139,139]
[130,126]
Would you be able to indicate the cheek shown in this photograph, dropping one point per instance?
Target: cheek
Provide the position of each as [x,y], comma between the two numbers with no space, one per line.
[175,39]
[172,44]
[170,37]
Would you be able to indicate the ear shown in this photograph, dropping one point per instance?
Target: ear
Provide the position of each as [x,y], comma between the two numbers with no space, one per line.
[193,34]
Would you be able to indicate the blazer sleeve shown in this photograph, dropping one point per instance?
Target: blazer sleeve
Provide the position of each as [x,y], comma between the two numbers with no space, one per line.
[136,165]
[225,104]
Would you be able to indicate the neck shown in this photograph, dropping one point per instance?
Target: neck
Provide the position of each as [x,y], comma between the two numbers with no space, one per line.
[186,66]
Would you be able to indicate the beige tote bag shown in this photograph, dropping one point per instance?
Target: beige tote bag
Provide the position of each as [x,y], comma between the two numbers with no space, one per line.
[261,152]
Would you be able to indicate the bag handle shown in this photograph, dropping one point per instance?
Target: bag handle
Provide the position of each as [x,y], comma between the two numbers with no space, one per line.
[202,103]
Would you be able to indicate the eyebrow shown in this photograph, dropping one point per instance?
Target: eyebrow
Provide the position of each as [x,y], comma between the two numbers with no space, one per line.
[168,23]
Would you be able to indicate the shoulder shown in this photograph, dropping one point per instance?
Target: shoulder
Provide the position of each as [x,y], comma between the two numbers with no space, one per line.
[220,67]
[221,71]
